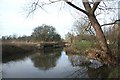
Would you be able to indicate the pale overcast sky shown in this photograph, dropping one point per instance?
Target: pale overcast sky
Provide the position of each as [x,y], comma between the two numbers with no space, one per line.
[13,18]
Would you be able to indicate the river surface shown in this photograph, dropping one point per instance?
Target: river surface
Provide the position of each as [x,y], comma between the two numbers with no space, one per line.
[48,64]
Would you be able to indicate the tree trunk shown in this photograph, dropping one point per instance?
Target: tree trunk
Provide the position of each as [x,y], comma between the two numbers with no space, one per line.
[118,41]
[107,56]
[119,26]
[99,33]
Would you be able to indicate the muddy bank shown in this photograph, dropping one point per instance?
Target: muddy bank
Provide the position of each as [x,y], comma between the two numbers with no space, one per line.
[23,47]
[15,51]
[11,48]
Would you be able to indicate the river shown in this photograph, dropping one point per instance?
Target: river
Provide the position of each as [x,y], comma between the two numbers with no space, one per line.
[49,64]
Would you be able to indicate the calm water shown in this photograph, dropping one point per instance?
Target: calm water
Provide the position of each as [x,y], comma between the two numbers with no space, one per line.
[48,64]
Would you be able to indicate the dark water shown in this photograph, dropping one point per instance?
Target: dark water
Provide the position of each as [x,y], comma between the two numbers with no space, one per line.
[48,64]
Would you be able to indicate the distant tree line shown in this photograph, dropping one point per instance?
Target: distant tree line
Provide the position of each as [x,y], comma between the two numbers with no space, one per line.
[40,33]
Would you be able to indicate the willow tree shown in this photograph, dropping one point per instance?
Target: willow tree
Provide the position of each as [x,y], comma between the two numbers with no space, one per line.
[90,6]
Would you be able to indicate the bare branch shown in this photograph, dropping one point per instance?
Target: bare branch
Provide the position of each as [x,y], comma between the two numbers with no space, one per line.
[36,5]
[115,22]
[104,4]
[74,6]
[54,1]
[33,7]
[105,8]
[88,28]
[95,5]
[87,5]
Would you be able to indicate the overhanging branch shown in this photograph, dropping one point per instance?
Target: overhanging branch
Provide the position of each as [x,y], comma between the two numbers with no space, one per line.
[95,5]
[76,7]
[111,23]
[35,5]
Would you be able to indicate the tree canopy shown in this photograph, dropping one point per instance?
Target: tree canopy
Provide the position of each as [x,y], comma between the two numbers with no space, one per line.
[46,33]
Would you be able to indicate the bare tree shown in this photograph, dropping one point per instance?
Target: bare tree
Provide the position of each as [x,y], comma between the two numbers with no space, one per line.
[69,37]
[90,7]
[83,26]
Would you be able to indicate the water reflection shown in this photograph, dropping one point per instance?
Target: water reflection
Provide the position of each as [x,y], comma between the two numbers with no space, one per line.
[85,71]
[0,70]
[78,60]
[102,72]
[14,57]
[46,59]
[50,64]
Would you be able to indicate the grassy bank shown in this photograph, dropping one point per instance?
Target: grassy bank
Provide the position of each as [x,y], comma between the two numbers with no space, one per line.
[81,46]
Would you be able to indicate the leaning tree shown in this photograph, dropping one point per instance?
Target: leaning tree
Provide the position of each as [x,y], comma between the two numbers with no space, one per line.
[89,8]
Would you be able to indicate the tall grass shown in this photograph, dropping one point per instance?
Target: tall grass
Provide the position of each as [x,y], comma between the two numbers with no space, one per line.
[83,45]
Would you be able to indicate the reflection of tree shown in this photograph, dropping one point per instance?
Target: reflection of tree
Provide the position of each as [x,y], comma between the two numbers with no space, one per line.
[81,62]
[46,59]
[21,55]
[15,57]
[79,73]
[84,69]
[77,60]
[13,52]
[0,70]
[101,72]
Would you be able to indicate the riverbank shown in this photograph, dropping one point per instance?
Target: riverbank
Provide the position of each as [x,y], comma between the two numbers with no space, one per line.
[9,48]
[24,49]
[19,49]
[92,51]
